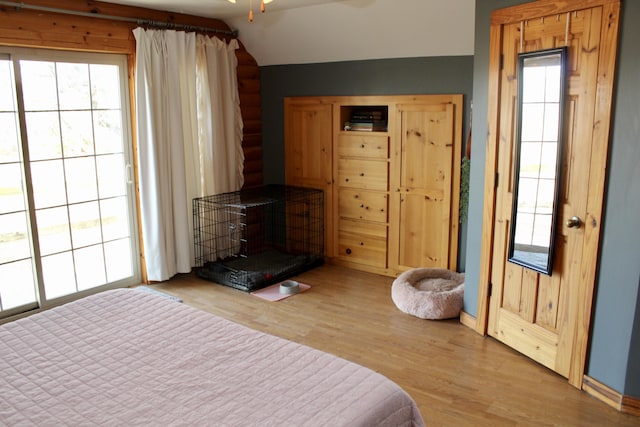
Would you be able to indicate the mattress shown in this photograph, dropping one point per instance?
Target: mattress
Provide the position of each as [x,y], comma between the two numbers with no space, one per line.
[125,357]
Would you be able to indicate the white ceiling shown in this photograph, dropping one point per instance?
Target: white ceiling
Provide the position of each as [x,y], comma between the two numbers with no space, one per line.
[314,31]
[221,9]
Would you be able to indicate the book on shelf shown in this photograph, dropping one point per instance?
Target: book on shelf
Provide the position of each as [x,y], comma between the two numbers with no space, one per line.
[369,126]
[370,115]
[367,119]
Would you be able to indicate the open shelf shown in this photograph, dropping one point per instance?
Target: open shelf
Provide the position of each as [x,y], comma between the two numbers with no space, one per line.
[364,118]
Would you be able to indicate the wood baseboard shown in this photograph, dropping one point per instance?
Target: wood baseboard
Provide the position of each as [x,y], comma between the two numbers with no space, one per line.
[467,320]
[631,405]
[613,398]
[602,392]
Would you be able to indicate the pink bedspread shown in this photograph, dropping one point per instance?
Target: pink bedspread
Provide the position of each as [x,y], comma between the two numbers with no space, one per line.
[128,358]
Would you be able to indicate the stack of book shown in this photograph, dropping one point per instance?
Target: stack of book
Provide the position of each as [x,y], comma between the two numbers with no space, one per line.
[372,120]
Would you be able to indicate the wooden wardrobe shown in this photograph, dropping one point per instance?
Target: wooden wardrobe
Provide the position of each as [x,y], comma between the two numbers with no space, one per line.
[391,183]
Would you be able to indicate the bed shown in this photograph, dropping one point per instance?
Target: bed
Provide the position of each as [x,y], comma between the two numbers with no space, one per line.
[126,357]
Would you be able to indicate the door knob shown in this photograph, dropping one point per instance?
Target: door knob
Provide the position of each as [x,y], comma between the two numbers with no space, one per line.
[574,222]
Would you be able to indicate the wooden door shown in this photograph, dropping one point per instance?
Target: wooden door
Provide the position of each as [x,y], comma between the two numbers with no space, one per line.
[308,153]
[547,317]
[426,194]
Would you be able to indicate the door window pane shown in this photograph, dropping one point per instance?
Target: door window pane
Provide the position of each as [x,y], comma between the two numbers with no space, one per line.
[85,224]
[48,184]
[14,237]
[39,86]
[114,225]
[9,139]
[89,267]
[11,195]
[105,86]
[7,91]
[111,176]
[77,133]
[43,132]
[80,177]
[118,258]
[73,86]
[53,230]
[108,131]
[58,275]
[14,274]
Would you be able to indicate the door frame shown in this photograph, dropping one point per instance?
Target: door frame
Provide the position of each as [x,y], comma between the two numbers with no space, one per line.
[601,133]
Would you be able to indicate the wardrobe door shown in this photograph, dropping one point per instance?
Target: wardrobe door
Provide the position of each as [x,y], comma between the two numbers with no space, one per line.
[425,198]
[308,153]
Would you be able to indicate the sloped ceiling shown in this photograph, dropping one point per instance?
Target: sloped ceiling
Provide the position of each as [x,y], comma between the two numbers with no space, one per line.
[315,31]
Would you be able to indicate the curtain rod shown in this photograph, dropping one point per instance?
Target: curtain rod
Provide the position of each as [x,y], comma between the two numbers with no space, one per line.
[139,21]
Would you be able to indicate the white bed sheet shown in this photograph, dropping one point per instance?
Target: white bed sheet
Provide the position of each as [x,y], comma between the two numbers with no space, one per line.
[126,357]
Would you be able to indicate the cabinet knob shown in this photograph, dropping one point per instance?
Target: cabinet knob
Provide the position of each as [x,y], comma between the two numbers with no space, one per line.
[361,173]
[348,251]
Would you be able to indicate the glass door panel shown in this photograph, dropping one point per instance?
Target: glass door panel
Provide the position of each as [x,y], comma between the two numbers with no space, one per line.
[17,279]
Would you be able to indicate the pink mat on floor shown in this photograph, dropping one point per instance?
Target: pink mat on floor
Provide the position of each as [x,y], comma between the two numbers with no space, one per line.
[272,293]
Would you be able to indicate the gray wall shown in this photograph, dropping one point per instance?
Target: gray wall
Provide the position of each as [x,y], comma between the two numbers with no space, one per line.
[375,77]
[615,340]
[616,328]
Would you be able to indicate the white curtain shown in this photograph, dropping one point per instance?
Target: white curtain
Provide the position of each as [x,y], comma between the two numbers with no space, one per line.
[189,133]
[221,117]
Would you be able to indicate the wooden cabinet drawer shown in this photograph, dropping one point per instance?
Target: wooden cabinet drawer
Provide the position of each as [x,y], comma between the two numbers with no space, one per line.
[366,205]
[363,243]
[365,174]
[371,146]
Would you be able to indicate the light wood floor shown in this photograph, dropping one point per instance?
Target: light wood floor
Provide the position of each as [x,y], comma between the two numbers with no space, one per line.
[456,376]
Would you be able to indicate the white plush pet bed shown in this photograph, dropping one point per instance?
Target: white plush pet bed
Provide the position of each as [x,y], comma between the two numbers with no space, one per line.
[429,293]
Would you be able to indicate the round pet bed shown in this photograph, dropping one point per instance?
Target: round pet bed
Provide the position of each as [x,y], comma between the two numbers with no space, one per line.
[429,293]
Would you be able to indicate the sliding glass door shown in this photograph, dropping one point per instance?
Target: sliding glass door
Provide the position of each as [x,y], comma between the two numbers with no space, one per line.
[66,197]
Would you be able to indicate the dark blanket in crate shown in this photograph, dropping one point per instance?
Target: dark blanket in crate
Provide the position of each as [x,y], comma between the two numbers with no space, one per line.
[257,271]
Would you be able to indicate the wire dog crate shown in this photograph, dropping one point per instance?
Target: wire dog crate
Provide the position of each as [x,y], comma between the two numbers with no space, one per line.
[250,239]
